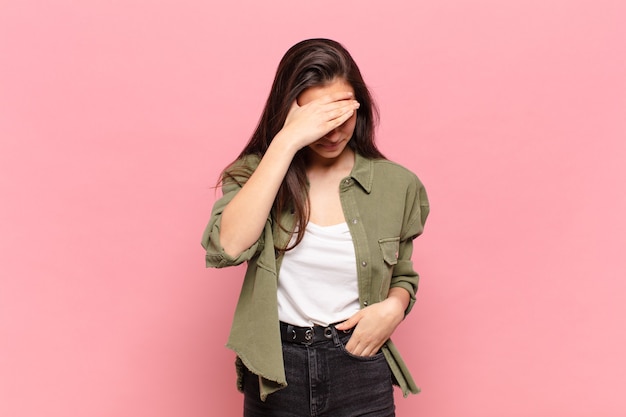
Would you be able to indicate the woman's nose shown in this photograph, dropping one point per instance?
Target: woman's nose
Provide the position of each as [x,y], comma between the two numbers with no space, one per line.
[330,135]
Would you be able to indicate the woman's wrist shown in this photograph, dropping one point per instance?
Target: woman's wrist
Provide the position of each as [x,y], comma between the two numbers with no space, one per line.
[285,143]
[399,298]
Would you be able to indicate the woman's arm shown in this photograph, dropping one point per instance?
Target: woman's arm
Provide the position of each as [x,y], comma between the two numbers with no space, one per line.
[244,217]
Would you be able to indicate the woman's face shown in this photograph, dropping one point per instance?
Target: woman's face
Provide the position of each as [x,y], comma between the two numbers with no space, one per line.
[333,144]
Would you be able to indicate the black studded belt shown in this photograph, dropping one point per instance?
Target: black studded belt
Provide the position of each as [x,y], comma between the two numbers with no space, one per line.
[306,335]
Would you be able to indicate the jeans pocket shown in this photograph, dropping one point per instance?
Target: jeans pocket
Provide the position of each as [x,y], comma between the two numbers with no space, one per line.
[342,346]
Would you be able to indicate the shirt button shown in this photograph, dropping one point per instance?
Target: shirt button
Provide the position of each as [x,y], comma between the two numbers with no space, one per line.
[354,221]
[365,303]
[347,181]
[363,263]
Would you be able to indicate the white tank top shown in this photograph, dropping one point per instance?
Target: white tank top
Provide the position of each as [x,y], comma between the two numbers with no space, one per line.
[318,279]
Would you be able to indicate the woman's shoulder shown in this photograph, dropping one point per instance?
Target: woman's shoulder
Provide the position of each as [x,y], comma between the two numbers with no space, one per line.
[250,161]
[243,165]
[395,179]
[391,170]
[238,171]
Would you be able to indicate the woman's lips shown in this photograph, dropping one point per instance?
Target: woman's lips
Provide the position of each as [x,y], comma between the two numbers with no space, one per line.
[330,146]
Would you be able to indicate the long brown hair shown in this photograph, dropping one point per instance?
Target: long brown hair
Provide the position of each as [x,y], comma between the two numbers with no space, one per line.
[310,63]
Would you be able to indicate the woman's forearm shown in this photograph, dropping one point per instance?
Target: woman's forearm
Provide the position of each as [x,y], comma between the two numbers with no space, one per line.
[244,217]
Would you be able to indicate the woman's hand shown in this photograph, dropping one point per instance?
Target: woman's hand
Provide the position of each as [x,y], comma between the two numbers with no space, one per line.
[374,324]
[307,123]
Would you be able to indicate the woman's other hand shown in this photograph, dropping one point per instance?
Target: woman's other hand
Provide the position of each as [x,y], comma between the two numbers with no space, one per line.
[374,324]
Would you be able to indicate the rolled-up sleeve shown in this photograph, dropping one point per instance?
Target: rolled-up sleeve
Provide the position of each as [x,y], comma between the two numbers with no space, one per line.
[416,212]
[216,257]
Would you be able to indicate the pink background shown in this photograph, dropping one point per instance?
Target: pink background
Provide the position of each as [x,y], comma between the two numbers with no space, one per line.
[117,116]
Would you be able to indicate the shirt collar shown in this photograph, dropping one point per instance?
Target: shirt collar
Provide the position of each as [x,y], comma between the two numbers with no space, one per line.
[363,172]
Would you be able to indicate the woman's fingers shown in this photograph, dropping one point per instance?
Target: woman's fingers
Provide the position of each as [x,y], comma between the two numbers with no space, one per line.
[336,96]
[340,119]
[334,104]
[341,108]
[328,107]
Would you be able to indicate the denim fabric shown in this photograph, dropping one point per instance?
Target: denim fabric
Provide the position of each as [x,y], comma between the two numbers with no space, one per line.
[325,380]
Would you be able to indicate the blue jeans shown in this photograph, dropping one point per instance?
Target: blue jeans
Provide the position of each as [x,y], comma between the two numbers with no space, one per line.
[325,380]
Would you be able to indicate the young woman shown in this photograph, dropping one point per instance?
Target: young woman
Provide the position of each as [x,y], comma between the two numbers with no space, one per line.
[326,225]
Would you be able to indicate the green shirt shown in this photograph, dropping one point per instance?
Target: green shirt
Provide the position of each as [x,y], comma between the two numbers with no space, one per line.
[385,206]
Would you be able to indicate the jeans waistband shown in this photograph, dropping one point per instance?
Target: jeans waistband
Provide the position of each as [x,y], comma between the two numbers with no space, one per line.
[307,335]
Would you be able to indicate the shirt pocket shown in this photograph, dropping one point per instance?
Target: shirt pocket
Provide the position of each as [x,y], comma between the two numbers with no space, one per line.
[389,248]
